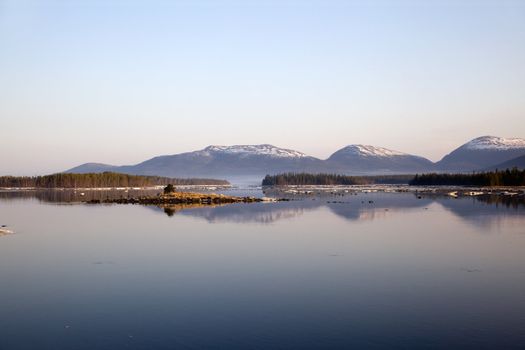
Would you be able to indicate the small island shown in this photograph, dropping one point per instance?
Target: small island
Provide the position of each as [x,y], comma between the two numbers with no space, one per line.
[170,196]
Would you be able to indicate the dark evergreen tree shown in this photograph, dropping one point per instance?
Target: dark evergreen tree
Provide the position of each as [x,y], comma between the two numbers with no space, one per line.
[169,189]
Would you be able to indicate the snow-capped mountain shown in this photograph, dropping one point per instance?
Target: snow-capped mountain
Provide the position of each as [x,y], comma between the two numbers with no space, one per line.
[495,143]
[369,151]
[481,153]
[256,150]
[366,158]
[258,160]
[223,161]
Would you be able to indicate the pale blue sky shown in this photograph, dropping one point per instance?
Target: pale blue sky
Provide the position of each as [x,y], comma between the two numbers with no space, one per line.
[119,82]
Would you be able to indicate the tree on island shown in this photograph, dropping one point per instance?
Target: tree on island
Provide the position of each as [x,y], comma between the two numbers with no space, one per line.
[169,189]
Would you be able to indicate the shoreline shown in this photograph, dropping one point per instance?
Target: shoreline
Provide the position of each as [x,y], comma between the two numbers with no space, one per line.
[188,198]
[148,188]
[452,191]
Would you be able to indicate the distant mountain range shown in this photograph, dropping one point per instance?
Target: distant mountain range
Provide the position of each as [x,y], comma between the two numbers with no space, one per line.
[482,152]
[258,160]
[217,161]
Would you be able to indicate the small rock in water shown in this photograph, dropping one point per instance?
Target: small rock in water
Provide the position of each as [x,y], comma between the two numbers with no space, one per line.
[470,270]
[5,231]
[103,262]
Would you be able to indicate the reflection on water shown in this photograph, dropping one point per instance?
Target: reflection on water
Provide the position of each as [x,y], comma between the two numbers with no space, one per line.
[474,210]
[355,209]
[263,213]
[478,210]
[508,201]
[171,209]
[367,271]
[73,196]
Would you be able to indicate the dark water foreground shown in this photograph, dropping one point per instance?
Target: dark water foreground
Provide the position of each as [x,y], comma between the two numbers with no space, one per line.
[367,271]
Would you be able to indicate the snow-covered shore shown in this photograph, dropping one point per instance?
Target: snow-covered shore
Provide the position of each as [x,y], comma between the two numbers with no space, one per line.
[351,189]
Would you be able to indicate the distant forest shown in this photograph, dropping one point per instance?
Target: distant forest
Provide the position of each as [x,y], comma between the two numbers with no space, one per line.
[332,179]
[507,177]
[93,180]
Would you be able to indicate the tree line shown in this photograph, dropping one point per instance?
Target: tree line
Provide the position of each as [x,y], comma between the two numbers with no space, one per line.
[106,179]
[509,177]
[332,179]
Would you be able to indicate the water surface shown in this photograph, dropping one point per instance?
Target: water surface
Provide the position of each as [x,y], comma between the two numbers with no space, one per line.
[372,270]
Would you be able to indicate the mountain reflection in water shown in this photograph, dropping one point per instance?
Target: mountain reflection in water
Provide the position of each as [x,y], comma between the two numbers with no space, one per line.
[370,206]
[477,210]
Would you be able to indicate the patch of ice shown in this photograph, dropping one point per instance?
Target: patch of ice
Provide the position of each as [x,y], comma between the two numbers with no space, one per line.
[4,231]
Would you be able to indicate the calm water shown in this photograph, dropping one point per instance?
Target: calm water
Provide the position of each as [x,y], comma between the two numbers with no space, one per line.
[395,273]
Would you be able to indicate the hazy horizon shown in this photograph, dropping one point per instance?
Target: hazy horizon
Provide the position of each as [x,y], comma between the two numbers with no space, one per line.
[119,83]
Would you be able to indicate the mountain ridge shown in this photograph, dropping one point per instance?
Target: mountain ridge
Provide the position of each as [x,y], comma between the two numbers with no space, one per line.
[482,152]
[261,159]
[518,162]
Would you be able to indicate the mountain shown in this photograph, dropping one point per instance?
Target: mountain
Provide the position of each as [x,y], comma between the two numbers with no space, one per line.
[217,161]
[371,159]
[481,153]
[92,168]
[255,161]
[518,162]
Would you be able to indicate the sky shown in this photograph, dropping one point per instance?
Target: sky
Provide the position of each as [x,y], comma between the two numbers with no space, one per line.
[119,82]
